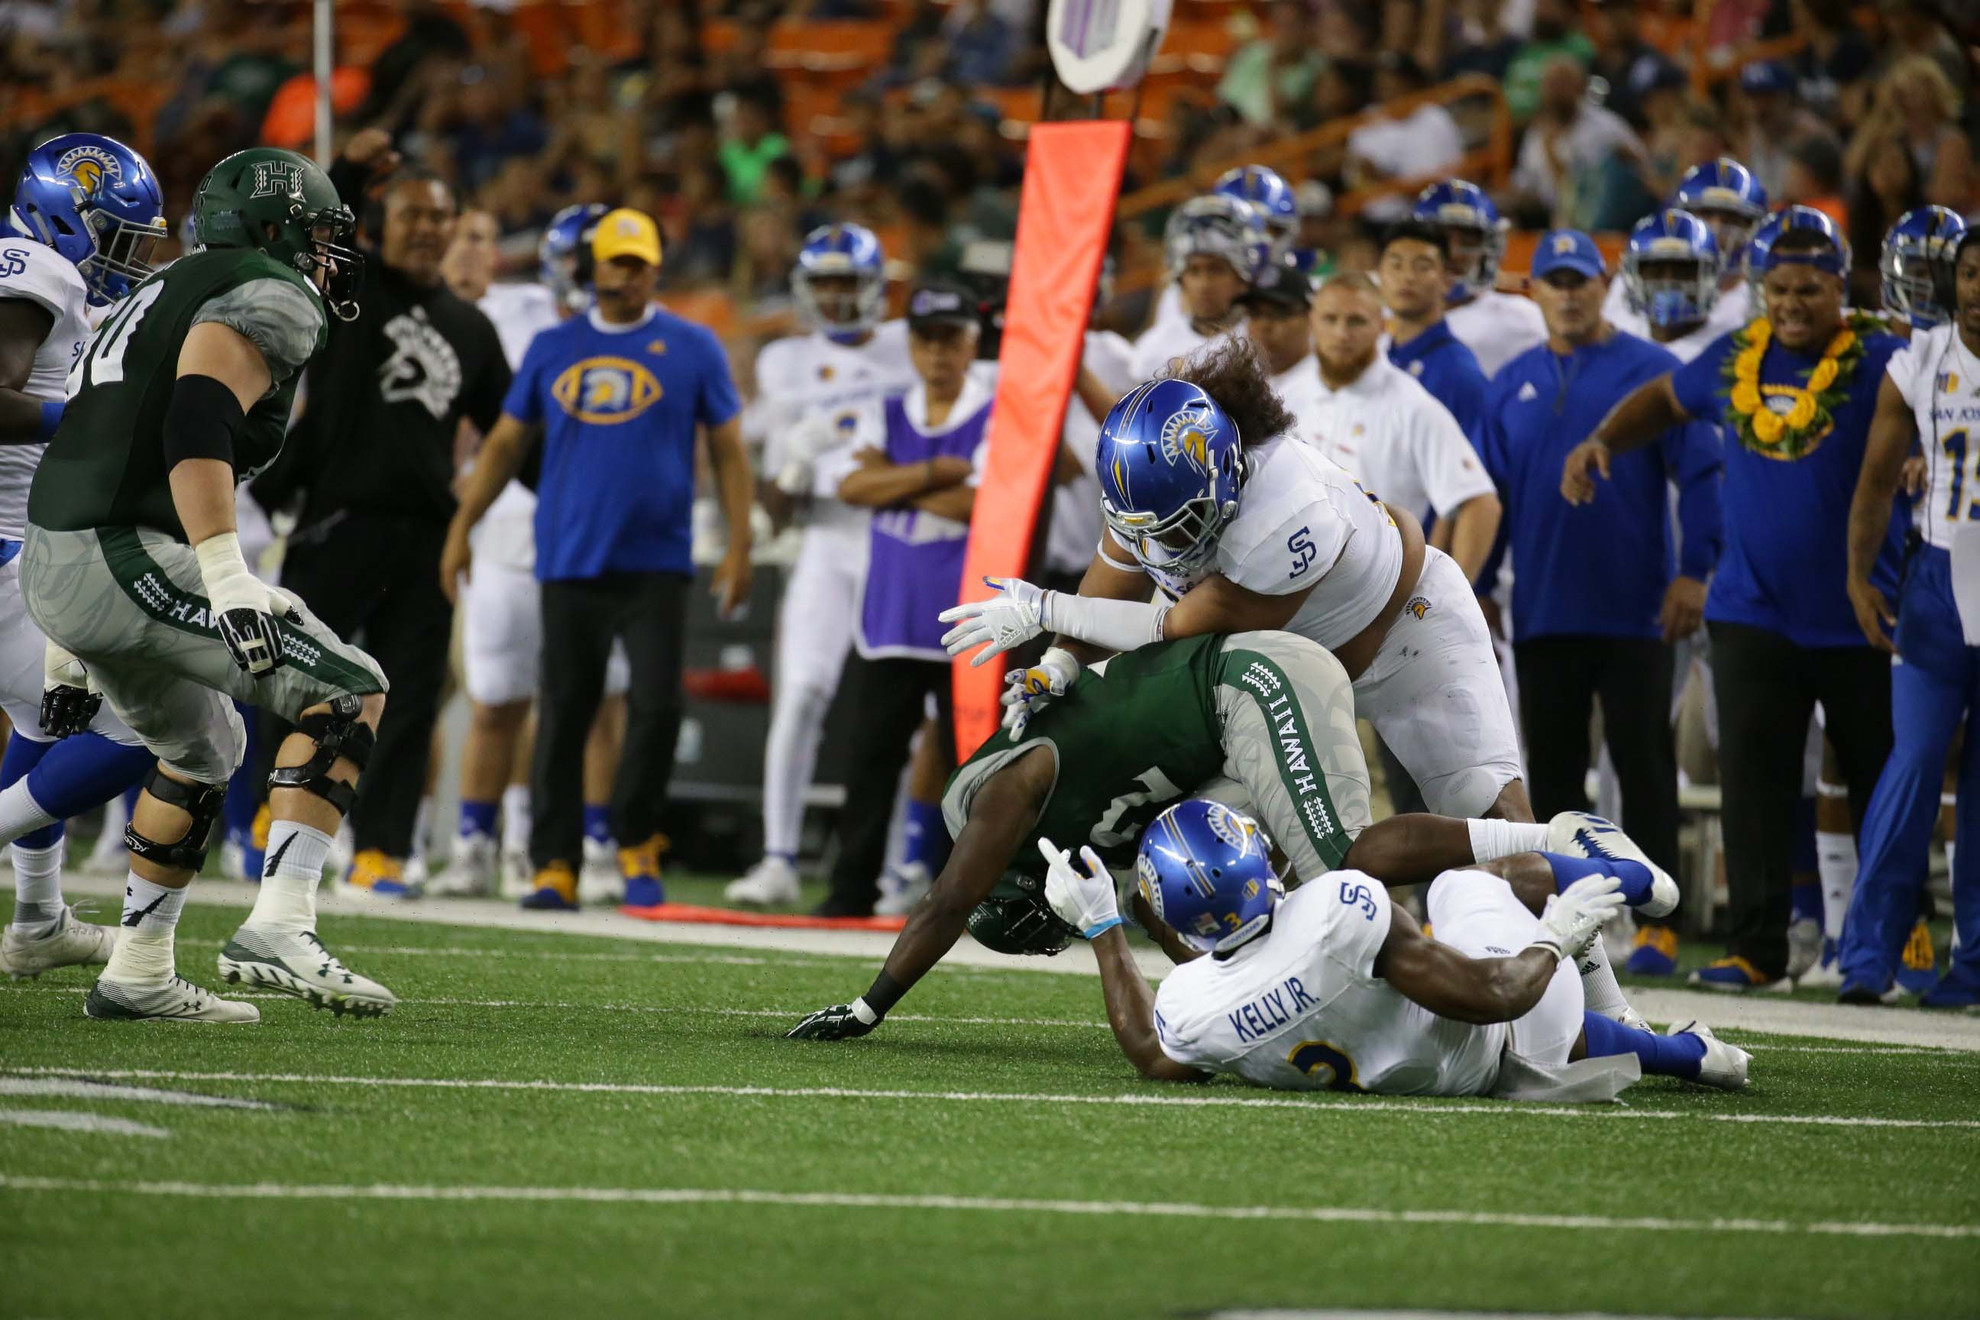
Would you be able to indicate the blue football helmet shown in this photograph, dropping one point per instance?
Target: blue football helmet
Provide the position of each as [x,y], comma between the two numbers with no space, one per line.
[1222,226]
[838,252]
[1206,871]
[1725,195]
[1263,187]
[1170,462]
[1473,227]
[1917,265]
[1670,269]
[563,255]
[96,202]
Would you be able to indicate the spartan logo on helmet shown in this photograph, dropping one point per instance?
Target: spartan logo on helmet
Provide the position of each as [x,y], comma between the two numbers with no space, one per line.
[1187,435]
[277,178]
[89,165]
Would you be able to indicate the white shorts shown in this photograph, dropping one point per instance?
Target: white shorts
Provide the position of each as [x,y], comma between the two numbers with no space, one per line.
[1478,914]
[502,637]
[821,605]
[1435,695]
[21,668]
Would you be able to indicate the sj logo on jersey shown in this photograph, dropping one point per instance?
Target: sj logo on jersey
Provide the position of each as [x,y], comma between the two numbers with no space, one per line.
[604,391]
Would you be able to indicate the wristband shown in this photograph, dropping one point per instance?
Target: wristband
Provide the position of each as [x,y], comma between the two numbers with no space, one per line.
[1550,946]
[1095,932]
[51,417]
[864,1012]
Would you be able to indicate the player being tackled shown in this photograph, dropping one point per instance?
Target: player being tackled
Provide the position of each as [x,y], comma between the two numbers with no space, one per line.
[132,563]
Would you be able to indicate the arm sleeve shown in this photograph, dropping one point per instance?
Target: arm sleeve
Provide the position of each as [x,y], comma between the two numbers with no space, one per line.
[277,317]
[1446,463]
[1697,383]
[522,402]
[717,401]
[1694,459]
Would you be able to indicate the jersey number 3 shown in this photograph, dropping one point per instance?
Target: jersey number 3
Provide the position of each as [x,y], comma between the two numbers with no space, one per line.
[1327,1065]
[104,363]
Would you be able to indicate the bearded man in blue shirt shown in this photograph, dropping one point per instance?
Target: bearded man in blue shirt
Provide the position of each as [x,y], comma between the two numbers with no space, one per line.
[1795,391]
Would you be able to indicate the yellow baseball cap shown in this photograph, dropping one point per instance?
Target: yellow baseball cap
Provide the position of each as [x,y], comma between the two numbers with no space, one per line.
[626,233]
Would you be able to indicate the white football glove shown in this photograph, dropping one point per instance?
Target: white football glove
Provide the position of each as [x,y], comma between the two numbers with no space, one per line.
[1027,690]
[1012,617]
[1083,899]
[244,608]
[1574,918]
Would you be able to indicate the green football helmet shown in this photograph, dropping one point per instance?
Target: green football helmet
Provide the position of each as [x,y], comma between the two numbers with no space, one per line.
[281,203]
[1015,918]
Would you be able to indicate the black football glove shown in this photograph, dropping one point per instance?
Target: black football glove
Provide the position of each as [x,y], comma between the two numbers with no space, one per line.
[67,703]
[839,1022]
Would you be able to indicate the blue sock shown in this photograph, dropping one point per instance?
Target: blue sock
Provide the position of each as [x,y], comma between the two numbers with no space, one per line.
[597,821]
[478,818]
[85,771]
[243,795]
[1662,1056]
[924,823]
[1635,876]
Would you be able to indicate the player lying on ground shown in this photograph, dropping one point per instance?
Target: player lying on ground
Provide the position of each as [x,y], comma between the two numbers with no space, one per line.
[132,563]
[1261,718]
[1331,988]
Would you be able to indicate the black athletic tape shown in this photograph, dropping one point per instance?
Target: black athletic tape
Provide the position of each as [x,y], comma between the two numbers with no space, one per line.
[886,992]
[200,421]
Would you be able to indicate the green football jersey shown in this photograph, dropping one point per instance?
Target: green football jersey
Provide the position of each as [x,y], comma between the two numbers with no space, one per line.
[1128,743]
[106,465]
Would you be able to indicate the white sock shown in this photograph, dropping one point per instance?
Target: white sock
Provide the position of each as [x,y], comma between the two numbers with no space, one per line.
[1493,839]
[419,827]
[19,812]
[515,818]
[37,884]
[143,955]
[1599,991]
[1835,862]
[293,869]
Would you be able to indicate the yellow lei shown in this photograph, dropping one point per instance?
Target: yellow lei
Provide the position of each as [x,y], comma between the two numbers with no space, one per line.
[1796,431]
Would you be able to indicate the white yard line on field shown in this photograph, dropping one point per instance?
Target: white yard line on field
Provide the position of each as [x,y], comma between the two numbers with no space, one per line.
[70,1121]
[1881,1026]
[987,1204]
[85,1089]
[1332,1108]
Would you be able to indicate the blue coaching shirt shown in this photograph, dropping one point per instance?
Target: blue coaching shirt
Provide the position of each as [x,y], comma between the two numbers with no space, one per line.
[1443,365]
[1598,569]
[1786,561]
[619,406]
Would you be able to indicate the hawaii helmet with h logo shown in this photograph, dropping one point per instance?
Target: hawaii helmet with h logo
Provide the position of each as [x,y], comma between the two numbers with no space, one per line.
[1270,194]
[1206,871]
[1917,265]
[1671,268]
[1473,227]
[280,203]
[563,254]
[846,252]
[1220,226]
[96,202]
[1170,462]
[1725,195]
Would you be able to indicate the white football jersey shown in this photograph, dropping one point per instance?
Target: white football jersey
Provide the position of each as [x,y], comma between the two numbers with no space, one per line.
[1300,1007]
[1304,525]
[1391,435]
[1163,342]
[1498,327]
[806,374]
[1732,310]
[1941,382]
[1076,522]
[40,275]
[507,532]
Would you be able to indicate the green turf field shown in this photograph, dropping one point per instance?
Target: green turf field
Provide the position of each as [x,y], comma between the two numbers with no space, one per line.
[556,1125]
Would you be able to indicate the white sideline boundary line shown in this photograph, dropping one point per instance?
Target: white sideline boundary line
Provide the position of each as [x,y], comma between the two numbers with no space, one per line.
[1618,1112]
[995,1205]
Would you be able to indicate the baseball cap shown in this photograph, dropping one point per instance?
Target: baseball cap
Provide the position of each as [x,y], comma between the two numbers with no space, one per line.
[1567,249]
[626,233]
[940,302]
[1283,282]
[1766,76]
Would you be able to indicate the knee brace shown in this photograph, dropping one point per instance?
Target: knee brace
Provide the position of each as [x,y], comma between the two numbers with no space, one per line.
[338,735]
[203,802]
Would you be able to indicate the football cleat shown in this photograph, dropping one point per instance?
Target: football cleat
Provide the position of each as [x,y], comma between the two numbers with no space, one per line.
[1958,988]
[771,881]
[555,890]
[910,884]
[518,875]
[599,880]
[178,1000]
[1580,834]
[379,876]
[1857,992]
[1918,969]
[1736,975]
[1724,1066]
[471,873]
[640,866]
[296,963]
[1804,947]
[1655,953]
[70,942]
[1826,974]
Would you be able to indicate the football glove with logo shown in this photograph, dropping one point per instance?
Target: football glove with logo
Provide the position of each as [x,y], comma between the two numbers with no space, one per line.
[245,609]
[1026,690]
[1012,617]
[839,1022]
[68,703]
[1574,917]
[1083,899]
